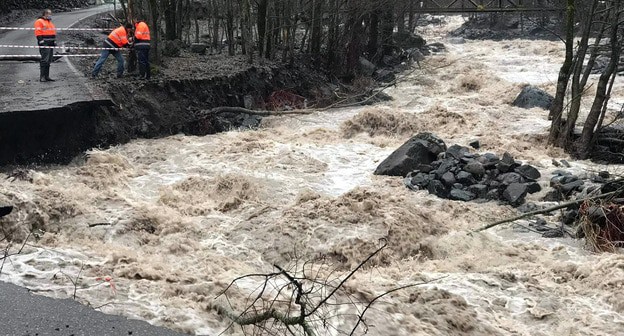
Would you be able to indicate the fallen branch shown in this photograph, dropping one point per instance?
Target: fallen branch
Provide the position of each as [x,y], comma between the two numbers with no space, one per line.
[98,224]
[538,212]
[242,110]
[264,113]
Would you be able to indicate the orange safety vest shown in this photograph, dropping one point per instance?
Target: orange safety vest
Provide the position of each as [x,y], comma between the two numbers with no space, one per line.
[141,31]
[45,28]
[119,37]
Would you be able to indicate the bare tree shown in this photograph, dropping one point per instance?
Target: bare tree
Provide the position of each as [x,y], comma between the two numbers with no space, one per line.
[607,16]
[305,299]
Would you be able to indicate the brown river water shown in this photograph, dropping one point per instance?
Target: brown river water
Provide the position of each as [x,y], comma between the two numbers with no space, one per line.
[189,214]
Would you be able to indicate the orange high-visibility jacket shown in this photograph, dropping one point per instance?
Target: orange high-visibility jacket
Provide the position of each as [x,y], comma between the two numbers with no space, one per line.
[44,28]
[141,31]
[118,38]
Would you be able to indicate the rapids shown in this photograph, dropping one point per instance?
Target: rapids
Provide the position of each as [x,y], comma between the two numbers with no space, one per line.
[186,215]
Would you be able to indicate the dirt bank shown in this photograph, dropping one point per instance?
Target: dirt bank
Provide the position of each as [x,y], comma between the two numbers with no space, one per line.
[150,109]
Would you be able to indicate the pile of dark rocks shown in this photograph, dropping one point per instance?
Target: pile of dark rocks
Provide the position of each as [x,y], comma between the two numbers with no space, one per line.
[456,173]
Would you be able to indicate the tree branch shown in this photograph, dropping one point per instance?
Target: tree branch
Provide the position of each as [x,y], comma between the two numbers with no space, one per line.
[537,212]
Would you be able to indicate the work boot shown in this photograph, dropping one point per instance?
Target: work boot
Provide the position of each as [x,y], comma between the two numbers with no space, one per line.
[42,77]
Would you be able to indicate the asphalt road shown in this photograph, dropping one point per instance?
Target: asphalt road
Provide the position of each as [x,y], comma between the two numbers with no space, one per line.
[20,89]
[25,314]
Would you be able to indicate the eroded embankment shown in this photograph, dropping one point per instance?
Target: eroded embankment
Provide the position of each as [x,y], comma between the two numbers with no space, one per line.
[50,135]
[144,110]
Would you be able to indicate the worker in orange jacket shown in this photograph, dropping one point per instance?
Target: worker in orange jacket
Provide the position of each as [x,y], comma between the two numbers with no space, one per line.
[118,38]
[142,48]
[45,32]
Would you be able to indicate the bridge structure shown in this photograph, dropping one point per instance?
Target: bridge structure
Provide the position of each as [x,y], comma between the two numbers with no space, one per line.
[488,6]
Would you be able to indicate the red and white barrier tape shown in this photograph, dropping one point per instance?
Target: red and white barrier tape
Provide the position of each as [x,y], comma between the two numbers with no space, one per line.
[57,47]
[58,29]
[39,56]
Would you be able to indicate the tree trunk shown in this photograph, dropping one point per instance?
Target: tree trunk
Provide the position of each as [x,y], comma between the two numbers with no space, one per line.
[230,28]
[216,42]
[180,19]
[246,31]
[196,27]
[262,24]
[411,23]
[155,31]
[355,33]
[170,20]
[400,18]
[565,140]
[332,36]
[387,28]
[601,98]
[594,54]
[556,109]
[373,36]
[317,17]
[291,40]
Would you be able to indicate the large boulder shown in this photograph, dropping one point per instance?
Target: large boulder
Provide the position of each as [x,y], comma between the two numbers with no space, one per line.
[533,97]
[529,172]
[422,148]
[515,193]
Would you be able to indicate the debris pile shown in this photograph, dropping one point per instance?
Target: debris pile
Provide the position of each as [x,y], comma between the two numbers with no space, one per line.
[602,225]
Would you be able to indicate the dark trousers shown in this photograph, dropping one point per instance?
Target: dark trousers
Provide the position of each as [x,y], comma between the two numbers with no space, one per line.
[143,58]
[46,59]
[132,61]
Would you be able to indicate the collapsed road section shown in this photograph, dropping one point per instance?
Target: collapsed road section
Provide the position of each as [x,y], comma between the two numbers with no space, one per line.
[145,110]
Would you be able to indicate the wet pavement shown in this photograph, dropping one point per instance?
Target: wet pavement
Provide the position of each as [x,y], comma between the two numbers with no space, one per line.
[24,314]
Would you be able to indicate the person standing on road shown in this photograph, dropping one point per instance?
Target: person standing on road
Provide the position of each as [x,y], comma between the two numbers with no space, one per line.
[117,39]
[45,32]
[142,48]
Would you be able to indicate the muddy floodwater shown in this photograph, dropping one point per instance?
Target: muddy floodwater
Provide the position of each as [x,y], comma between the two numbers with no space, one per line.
[183,216]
